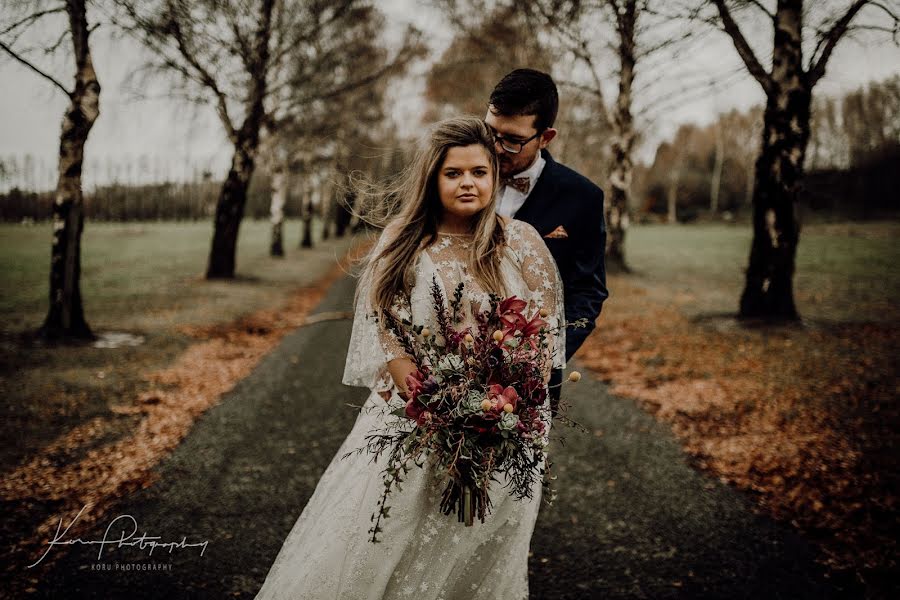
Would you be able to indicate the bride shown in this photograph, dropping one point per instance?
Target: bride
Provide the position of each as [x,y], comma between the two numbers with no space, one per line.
[446,229]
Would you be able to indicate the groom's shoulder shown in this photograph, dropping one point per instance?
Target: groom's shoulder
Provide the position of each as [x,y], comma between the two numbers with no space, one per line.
[571,182]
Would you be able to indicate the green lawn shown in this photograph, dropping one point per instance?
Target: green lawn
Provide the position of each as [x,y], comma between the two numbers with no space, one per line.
[846,272]
[138,276]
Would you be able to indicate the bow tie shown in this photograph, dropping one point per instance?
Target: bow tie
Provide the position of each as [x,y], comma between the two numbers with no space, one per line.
[523,184]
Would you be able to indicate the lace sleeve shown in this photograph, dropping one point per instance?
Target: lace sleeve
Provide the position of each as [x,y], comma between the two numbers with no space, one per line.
[541,276]
[372,346]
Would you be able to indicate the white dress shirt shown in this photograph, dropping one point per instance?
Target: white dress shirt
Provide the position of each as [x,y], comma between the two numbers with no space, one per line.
[509,199]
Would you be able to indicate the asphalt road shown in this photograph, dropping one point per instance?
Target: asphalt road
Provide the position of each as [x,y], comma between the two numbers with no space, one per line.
[633,519]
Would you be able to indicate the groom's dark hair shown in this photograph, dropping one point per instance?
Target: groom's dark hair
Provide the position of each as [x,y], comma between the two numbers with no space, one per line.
[527,92]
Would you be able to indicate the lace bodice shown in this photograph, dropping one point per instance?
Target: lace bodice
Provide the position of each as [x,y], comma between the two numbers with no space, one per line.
[528,271]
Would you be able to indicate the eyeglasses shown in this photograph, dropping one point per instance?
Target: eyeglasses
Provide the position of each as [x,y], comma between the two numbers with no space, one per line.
[511,146]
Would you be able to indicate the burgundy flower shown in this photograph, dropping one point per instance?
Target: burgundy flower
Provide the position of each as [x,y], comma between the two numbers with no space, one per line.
[417,411]
[500,397]
[414,383]
[533,326]
[420,392]
[511,305]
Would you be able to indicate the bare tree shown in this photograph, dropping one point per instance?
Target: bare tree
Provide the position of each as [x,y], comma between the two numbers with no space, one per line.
[65,319]
[633,31]
[249,59]
[788,86]
[741,131]
[486,47]
[221,52]
[672,196]
[331,104]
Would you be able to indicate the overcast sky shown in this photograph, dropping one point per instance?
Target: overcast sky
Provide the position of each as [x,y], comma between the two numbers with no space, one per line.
[178,138]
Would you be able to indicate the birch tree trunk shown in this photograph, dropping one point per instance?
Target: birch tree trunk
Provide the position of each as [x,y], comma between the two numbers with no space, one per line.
[715,185]
[65,319]
[233,197]
[306,237]
[672,197]
[230,212]
[748,187]
[279,197]
[343,215]
[327,213]
[623,141]
[768,291]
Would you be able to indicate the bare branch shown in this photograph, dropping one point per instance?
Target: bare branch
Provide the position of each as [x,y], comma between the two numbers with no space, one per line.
[892,30]
[581,87]
[760,6]
[306,35]
[206,78]
[889,12]
[831,38]
[33,17]
[59,42]
[22,60]
[648,50]
[399,61]
[687,93]
[743,47]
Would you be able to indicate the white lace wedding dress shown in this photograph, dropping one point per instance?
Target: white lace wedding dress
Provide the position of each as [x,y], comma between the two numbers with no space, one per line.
[423,554]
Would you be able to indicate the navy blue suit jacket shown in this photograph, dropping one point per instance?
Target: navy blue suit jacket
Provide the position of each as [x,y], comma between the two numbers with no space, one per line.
[562,197]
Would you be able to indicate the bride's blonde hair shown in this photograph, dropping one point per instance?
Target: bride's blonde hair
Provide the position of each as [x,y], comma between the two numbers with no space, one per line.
[391,271]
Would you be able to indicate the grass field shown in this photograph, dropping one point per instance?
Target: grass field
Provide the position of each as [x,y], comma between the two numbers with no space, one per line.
[138,276]
[141,278]
[144,275]
[845,272]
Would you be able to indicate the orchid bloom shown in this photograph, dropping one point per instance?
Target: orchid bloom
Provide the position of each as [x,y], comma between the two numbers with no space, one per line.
[511,305]
[533,326]
[414,383]
[527,328]
[500,396]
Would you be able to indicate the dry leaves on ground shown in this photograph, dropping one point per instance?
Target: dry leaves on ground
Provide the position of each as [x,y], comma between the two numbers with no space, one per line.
[804,417]
[224,354]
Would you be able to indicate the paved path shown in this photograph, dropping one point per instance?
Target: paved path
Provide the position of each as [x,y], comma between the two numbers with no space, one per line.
[633,520]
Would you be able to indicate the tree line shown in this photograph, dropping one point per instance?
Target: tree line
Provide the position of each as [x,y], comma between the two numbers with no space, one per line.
[709,170]
[701,170]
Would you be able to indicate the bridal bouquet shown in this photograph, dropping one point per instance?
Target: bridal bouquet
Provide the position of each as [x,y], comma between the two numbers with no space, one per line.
[475,404]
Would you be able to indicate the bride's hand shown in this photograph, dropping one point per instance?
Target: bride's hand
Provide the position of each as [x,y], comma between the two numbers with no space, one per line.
[399,368]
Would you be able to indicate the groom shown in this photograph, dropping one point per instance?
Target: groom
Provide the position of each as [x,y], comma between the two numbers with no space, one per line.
[564,207]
